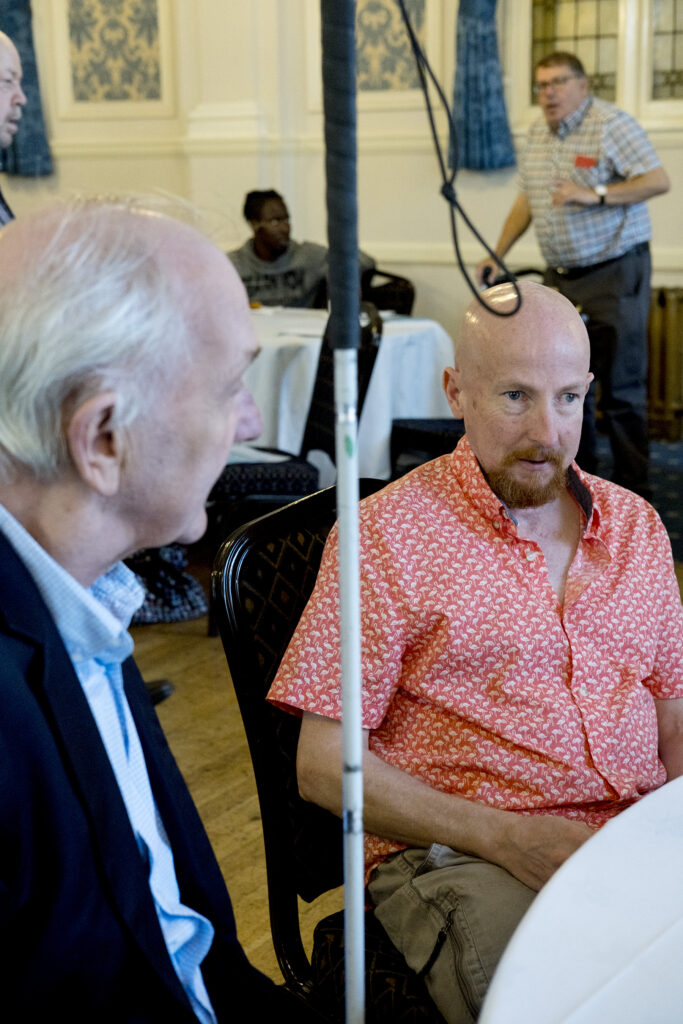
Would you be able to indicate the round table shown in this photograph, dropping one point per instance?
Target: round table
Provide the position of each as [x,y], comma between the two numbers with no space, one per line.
[602,942]
[405,382]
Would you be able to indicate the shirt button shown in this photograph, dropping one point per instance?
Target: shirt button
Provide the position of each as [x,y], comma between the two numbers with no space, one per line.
[583,689]
[496,524]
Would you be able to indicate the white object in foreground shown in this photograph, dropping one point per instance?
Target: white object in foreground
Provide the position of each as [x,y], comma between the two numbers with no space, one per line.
[603,941]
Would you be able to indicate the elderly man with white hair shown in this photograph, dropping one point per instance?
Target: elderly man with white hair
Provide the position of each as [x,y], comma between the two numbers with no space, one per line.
[124,338]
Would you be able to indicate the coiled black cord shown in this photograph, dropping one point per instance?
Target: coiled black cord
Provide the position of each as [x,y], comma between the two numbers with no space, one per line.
[448,177]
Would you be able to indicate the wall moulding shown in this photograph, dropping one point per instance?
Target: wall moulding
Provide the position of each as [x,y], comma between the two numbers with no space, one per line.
[219,121]
[208,141]
[666,259]
[127,148]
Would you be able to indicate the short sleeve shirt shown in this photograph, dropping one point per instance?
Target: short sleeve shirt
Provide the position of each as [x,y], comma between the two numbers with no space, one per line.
[598,144]
[475,678]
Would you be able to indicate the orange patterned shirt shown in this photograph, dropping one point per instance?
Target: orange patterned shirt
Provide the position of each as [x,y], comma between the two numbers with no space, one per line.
[475,678]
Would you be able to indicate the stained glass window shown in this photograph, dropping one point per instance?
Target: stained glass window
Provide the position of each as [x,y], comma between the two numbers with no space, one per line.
[587,28]
[667,49]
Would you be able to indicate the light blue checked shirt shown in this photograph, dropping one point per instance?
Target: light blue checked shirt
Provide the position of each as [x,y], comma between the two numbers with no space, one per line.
[597,144]
[93,626]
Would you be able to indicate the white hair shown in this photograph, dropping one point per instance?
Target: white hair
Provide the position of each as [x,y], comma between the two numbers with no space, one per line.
[95,309]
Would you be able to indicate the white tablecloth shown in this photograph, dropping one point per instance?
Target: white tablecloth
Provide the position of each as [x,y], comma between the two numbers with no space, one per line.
[406,379]
[602,942]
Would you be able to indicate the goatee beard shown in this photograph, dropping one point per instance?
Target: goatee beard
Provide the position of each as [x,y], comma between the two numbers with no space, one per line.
[529,495]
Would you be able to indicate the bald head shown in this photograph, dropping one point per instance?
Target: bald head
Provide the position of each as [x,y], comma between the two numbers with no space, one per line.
[519,383]
[12,97]
[546,318]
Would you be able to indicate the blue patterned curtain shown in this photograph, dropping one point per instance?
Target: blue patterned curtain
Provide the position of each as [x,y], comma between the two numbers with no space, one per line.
[484,142]
[29,154]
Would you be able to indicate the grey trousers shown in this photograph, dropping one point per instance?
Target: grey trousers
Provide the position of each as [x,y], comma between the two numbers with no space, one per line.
[616,298]
[450,915]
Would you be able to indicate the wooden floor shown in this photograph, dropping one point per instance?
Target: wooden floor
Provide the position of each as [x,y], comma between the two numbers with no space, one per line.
[203,726]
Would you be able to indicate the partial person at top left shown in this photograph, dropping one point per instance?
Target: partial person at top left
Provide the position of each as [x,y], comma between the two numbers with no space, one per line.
[275,269]
[12,99]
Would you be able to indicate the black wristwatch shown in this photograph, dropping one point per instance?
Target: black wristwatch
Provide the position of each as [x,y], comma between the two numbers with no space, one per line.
[601,191]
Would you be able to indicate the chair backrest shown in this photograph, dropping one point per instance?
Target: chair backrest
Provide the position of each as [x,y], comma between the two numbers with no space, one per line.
[388,291]
[319,430]
[262,577]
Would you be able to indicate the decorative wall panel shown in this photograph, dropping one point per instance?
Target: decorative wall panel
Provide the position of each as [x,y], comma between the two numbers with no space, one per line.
[385,60]
[114,47]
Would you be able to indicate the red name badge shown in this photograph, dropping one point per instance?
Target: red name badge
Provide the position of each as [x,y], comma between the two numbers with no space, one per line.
[584,161]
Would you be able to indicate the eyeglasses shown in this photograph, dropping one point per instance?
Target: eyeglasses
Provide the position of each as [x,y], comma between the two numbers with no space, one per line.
[553,83]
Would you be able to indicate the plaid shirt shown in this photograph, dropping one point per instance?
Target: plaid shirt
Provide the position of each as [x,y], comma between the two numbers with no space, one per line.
[598,144]
[475,678]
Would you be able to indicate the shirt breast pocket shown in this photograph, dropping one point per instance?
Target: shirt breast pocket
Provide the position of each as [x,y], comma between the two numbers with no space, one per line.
[590,170]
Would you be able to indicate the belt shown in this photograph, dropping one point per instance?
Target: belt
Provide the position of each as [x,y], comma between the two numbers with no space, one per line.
[569,273]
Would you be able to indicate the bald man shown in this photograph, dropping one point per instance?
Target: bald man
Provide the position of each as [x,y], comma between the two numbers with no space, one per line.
[124,338]
[522,639]
[12,99]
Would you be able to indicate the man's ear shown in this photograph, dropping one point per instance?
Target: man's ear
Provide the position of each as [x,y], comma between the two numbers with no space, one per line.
[94,444]
[451,385]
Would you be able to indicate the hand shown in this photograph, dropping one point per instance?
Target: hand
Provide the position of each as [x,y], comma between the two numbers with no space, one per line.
[569,192]
[534,846]
[485,272]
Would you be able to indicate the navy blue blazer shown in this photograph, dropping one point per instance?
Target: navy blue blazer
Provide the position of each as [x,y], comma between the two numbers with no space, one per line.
[79,935]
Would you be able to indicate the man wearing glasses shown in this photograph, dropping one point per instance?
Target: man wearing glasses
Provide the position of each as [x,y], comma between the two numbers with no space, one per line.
[585,175]
[275,269]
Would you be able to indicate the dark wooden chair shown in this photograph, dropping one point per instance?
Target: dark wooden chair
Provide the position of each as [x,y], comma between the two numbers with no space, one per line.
[388,291]
[247,490]
[261,581]
[414,441]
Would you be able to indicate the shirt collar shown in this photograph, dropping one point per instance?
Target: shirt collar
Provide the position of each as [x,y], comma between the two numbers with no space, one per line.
[572,121]
[93,621]
[473,482]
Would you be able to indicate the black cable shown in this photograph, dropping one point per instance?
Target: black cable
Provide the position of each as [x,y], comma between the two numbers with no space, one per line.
[448,178]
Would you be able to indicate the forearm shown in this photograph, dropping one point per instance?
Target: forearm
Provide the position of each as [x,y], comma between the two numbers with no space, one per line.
[406,809]
[516,223]
[638,189]
[396,805]
[622,193]
[670,727]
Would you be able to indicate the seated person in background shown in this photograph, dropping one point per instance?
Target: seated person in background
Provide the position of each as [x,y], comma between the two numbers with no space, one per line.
[522,639]
[275,270]
[124,337]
